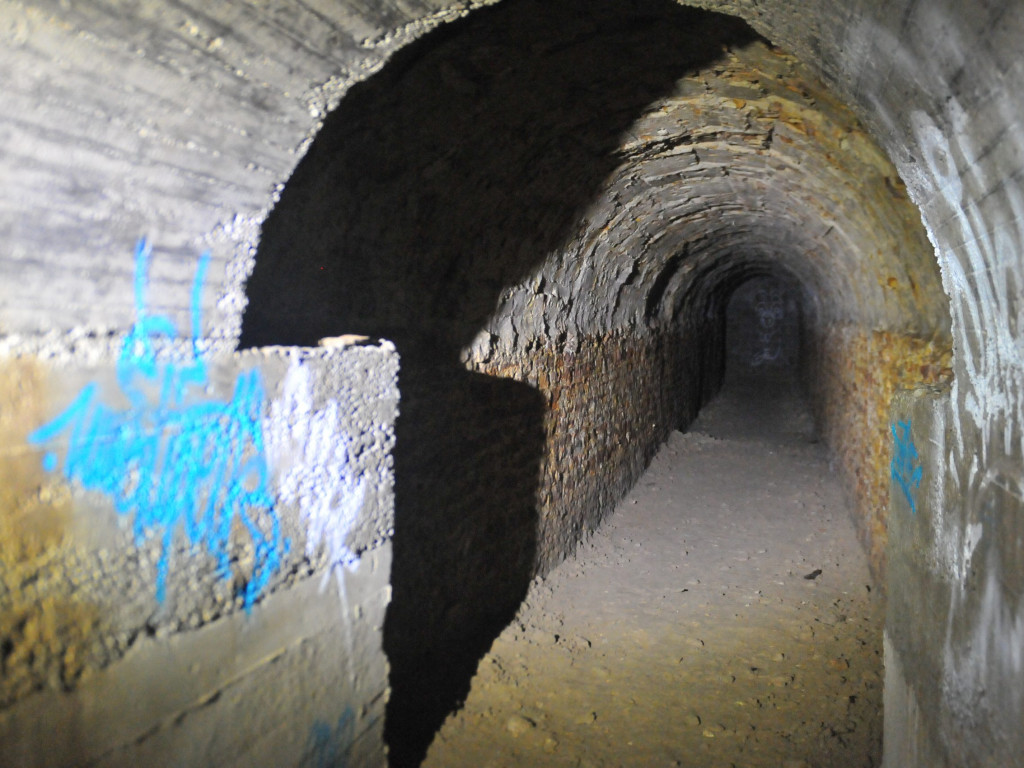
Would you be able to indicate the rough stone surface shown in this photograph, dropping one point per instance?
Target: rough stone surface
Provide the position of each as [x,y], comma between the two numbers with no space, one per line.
[558,172]
[609,404]
[178,501]
[723,615]
[858,374]
[274,687]
[178,122]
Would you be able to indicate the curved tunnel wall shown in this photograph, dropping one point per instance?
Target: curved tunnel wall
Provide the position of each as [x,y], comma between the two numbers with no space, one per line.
[485,200]
[193,139]
[566,211]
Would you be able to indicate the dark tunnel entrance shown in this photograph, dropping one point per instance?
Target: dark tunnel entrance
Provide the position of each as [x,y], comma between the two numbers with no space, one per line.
[433,188]
[763,329]
[536,204]
[756,360]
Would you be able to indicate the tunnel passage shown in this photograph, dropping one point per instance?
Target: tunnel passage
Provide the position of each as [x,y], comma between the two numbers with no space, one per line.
[763,328]
[546,207]
[762,370]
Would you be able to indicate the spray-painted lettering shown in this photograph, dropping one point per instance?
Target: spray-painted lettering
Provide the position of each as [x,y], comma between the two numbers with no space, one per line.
[197,466]
[904,457]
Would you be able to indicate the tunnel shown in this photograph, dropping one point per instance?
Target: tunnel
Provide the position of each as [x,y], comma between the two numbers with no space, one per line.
[331,330]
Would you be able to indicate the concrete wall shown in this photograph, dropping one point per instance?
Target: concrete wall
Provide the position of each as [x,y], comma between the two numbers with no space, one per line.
[553,193]
[181,123]
[195,550]
[954,635]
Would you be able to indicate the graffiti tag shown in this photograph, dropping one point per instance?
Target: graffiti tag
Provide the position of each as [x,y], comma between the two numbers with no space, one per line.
[330,747]
[313,456]
[197,466]
[902,468]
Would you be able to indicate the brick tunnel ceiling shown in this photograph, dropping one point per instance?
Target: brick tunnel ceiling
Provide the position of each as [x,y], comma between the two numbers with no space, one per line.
[541,172]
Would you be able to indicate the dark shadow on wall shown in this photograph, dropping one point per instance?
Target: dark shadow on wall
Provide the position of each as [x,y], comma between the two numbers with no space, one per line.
[435,185]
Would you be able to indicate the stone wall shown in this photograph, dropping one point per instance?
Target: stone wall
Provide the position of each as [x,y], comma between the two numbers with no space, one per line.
[853,377]
[501,471]
[182,530]
[610,403]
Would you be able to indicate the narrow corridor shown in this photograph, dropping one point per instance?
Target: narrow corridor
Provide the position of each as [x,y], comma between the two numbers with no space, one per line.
[724,615]
[343,344]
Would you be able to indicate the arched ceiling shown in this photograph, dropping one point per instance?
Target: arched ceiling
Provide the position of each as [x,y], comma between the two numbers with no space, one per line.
[187,121]
[750,161]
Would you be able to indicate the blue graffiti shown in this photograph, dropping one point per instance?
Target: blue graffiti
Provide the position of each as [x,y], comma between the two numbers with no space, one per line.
[902,466]
[197,467]
[330,747]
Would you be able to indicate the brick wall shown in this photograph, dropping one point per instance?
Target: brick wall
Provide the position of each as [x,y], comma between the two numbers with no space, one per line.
[854,374]
[609,404]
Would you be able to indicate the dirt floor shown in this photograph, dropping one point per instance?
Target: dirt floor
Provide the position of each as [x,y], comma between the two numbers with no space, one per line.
[723,616]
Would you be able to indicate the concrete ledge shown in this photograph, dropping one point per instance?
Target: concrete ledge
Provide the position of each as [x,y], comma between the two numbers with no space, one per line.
[195,555]
[301,676]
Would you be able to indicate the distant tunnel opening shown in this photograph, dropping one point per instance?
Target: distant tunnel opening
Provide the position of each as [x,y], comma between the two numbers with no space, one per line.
[574,219]
[757,377]
[763,330]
